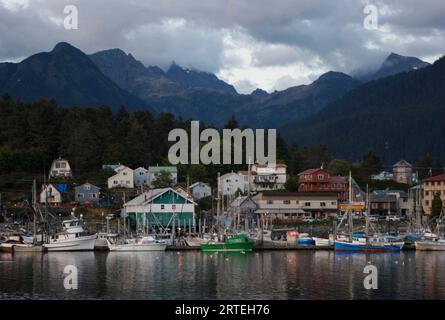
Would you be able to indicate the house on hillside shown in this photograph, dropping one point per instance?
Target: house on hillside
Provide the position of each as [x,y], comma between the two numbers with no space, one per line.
[124,178]
[159,207]
[87,194]
[403,172]
[140,177]
[320,180]
[200,190]
[60,168]
[271,176]
[50,195]
[231,183]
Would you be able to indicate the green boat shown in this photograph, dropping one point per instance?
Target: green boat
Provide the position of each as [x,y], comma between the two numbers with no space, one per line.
[237,243]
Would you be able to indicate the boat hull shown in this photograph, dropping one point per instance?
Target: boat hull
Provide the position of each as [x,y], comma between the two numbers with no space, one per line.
[228,247]
[138,247]
[429,246]
[322,242]
[85,243]
[7,247]
[27,248]
[358,247]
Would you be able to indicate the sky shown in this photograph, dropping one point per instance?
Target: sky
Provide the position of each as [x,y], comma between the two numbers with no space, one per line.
[251,44]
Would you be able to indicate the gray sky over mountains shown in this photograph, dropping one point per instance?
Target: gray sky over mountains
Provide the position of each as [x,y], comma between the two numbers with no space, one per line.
[269,44]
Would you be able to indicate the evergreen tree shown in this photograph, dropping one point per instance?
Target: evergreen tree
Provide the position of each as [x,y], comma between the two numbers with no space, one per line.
[436,206]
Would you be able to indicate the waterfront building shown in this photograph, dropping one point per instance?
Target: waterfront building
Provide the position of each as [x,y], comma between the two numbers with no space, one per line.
[400,206]
[383,203]
[87,194]
[244,204]
[124,178]
[431,186]
[60,168]
[319,180]
[382,176]
[290,205]
[50,195]
[200,190]
[158,207]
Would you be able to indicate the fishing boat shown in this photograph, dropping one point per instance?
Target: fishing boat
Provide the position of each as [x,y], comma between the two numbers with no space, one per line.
[362,242]
[72,238]
[324,242]
[304,240]
[433,241]
[236,243]
[197,241]
[24,247]
[145,243]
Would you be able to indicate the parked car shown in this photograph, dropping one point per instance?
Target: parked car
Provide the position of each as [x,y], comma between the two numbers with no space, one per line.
[373,218]
[393,218]
[308,219]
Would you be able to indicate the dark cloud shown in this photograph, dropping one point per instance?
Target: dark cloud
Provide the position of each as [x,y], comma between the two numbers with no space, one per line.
[232,37]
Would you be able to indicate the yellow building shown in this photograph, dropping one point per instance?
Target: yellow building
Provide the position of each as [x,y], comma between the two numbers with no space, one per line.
[431,186]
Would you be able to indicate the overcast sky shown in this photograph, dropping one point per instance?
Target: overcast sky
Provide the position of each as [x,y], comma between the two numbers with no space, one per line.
[254,43]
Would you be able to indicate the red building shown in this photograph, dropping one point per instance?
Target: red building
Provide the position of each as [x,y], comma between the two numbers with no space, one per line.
[320,180]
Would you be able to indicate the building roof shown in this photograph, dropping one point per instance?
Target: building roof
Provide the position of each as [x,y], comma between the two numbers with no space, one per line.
[228,175]
[271,194]
[86,183]
[150,195]
[171,169]
[402,163]
[337,179]
[141,168]
[383,197]
[270,165]
[310,171]
[198,183]
[240,200]
[440,177]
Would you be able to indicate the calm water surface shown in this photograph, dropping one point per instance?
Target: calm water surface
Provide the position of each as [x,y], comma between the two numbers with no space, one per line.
[194,275]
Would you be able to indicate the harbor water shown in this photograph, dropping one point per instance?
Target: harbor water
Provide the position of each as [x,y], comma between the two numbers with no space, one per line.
[195,275]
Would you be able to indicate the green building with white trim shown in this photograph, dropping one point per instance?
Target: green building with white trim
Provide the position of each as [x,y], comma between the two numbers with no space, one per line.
[159,207]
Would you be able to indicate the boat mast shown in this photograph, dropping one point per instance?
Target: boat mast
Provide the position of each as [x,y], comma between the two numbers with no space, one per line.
[350,207]
[218,204]
[34,206]
[368,210]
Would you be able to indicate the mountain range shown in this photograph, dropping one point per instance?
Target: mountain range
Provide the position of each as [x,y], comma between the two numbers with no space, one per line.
[400,116]
[380,108]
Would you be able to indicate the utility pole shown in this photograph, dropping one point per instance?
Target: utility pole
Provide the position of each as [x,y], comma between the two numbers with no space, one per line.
[218,204]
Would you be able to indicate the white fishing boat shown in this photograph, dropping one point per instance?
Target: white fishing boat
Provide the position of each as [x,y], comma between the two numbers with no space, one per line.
[146,243]
[324,242]
[433,241]
[72,238]
[197,241]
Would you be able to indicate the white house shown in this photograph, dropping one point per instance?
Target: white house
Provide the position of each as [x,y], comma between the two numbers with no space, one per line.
[230,183]
[265,177]
[50,194]
[200,190]
[140,177]
[124,178]
[159,207]
[60,168]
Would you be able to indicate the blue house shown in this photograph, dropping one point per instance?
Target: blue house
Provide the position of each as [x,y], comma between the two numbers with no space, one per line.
[87,193]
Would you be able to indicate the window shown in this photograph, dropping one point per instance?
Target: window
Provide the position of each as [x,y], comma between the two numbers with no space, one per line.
[320,177]
[427,202]
[80,195]
[127,182]
[307,204]
[322,204]
[162,207]
[269,201]
[87,187]
[174,206]
[115,182]
[286,201]
[124,173]
[94,195]
[427,193]
[141,173]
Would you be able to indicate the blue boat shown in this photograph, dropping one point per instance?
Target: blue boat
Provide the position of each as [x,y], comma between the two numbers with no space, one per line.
[371,244]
